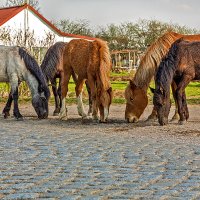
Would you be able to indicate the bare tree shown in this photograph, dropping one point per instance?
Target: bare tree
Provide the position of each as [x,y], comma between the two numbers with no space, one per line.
[80,27]
[138,35]
[33,3]
[36,46]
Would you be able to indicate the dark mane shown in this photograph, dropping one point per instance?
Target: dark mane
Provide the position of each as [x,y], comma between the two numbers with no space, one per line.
[35,70]
[167,67]
[52,59]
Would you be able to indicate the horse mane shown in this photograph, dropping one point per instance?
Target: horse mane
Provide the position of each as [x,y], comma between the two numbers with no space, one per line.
[168,67]
[152,59]
[35,70]
[52,60]
[105,63]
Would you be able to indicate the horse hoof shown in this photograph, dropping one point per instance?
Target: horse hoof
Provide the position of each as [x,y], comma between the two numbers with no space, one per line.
[19,118]
[84,117]
[173,120]
[102,121]
[89,114]
[56,114]
[181,122]
[63,117]
[6,115]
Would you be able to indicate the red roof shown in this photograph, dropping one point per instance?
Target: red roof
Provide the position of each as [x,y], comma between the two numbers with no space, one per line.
[7,13]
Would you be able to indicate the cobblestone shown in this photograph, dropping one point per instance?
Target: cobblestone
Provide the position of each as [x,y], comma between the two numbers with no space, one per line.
[53,159]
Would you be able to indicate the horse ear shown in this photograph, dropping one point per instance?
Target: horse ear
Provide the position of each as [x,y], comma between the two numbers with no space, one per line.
[152,90]
[132,84]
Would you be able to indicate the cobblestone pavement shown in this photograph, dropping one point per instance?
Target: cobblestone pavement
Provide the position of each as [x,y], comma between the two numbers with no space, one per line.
[53,159]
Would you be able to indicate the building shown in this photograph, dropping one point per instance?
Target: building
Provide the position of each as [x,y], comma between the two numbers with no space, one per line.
[25,18]
[126,59]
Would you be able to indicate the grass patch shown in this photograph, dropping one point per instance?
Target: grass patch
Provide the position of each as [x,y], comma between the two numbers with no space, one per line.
[192,92]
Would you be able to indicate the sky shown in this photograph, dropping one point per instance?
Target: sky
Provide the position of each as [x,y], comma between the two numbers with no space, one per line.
[105,12]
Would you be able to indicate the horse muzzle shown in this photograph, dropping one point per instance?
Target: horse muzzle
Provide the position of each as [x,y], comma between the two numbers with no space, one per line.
[131,119]
[163,121]
[43,115]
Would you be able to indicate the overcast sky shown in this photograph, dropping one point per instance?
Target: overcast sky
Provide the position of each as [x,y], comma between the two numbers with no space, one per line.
[103,12]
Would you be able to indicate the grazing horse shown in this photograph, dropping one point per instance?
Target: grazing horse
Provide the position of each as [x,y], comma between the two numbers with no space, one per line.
[53,60]
[89,60]
[16,65]
[181,65]
[136,91]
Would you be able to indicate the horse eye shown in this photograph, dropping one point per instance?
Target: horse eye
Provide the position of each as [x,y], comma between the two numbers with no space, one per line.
[131,99]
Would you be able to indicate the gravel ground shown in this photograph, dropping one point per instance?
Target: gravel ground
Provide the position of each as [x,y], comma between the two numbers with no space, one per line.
[53,159]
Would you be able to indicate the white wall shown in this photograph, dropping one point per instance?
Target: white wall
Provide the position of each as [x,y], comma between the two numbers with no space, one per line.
[34,24]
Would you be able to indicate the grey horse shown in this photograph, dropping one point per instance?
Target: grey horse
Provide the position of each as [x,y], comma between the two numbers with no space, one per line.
[17,65]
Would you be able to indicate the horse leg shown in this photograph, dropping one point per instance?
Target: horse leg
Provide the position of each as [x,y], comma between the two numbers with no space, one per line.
[186,112]
[180,95]
[153,116]
[79,89]
[80,106]
[56,97]
[176,115]
[92,85]
[90,98]
[16,112]
[6,109]
[65,76]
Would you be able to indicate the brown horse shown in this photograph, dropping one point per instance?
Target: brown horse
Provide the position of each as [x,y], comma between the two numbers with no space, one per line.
[136,91]
[89,60]
[181,65]
[53,60]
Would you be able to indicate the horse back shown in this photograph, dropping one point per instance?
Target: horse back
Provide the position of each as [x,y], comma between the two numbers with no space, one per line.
[80,55]
[188,59]
[11,63]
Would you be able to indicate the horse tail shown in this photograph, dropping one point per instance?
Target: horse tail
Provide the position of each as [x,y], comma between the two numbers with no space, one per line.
[105,63]
[168,66]
[53,60]
[35,70]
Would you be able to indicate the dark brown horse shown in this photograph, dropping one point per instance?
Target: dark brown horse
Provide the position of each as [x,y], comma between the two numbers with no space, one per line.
[136,91]
[90,60]
[53,60]
[181,65]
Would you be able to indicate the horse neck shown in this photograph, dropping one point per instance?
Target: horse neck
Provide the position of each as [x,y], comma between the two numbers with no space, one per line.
[32,83]
[150,62]
[143,76]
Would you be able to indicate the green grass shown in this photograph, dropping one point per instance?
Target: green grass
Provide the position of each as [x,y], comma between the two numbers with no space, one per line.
[192,92]
[119,85]
[115,74]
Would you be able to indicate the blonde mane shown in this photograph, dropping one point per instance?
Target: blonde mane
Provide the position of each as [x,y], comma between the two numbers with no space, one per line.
[153,57]
[105,63]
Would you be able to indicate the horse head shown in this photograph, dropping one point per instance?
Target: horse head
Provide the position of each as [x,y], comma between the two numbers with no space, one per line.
[40,103]
[162,105]
[136,102]
[103,101]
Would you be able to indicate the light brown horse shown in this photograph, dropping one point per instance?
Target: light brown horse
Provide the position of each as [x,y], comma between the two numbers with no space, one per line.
[136,91]
[89,60]
[53,60]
